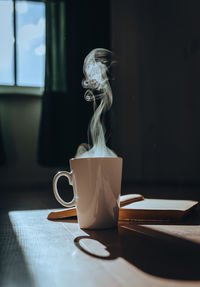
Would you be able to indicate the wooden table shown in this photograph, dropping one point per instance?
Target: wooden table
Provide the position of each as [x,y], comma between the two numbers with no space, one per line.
[38,252]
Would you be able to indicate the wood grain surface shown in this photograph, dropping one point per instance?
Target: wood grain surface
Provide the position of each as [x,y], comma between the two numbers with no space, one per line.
[38,252]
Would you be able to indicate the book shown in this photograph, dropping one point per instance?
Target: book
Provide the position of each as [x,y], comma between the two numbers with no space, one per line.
[134,207]
[156,210]
[71,211]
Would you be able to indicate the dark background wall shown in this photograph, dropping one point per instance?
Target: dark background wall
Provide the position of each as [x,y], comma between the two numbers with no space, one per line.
[20,120]
[155,116]
[157,93]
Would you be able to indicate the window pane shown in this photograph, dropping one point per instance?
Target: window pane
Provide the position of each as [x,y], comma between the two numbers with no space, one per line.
[6,43]
[30,34]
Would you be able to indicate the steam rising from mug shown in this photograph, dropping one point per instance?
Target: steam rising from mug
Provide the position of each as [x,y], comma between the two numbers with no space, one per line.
[96,68]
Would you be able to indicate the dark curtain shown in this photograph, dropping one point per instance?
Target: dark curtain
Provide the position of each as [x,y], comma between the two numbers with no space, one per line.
[73,29]
[2,150]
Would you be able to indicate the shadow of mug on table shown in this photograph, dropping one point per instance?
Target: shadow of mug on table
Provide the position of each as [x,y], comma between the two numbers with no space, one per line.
[154,252]
[96,186]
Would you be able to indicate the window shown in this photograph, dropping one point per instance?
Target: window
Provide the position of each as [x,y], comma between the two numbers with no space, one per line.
[22,46]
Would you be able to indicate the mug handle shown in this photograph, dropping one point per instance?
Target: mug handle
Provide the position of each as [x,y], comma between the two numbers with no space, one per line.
[55,189]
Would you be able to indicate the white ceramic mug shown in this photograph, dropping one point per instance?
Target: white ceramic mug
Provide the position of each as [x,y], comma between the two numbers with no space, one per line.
[96,185]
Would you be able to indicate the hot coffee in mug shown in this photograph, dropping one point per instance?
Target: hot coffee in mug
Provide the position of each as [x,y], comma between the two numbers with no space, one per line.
[96,187]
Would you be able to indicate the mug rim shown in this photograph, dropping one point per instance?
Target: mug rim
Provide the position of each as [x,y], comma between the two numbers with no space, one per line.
[98,157]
